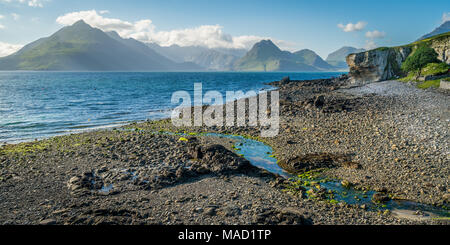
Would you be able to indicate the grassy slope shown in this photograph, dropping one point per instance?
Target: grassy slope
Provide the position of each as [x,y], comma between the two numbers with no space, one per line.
[430,69]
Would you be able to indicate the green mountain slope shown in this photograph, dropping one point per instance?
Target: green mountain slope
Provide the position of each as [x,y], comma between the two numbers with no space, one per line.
[266,56]
[309,57]
[81,47]
[444,28]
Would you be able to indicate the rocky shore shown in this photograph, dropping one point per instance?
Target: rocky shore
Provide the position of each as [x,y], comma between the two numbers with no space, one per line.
[388,136]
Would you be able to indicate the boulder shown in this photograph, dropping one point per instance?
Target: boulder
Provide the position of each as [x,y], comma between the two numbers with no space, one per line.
[380,198]
[444,85]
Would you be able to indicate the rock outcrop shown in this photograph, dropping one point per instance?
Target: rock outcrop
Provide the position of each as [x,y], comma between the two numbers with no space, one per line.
[385,63]
[442,48]
[376,65]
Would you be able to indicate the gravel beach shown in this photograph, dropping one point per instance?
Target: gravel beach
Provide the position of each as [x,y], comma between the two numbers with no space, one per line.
[389,137]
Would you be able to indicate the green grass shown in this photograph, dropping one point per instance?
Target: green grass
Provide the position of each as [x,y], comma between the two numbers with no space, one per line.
[435,69]
[428,84]
[411,77]
[430,69]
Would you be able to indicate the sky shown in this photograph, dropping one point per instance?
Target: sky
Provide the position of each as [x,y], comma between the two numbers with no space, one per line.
[320,25]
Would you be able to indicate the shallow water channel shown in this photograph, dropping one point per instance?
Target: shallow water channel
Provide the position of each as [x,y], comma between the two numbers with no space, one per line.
[260,155]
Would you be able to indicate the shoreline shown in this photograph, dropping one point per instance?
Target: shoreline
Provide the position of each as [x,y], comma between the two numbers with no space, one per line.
[251,196]
[120,124]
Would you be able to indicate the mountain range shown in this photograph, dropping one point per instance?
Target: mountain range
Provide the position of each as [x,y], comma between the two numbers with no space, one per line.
[80,47]
[266,56]
[211,59]
[83,48]
[445,27]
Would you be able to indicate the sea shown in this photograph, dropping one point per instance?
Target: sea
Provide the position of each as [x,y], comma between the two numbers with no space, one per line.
[36,105]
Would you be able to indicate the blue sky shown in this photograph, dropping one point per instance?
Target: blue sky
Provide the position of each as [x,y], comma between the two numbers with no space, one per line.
[292,24]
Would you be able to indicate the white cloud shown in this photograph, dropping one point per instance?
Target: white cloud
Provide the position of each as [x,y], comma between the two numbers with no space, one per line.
[350,27]
[31,3]
[445,17]
[15,16]
[1,16]
[2,26]
[375,34]
[211,36]
[7,48]
[35,3]
[370,44]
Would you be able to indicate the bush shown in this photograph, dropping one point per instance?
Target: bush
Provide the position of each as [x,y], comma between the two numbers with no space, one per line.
[435,69]
[419,59]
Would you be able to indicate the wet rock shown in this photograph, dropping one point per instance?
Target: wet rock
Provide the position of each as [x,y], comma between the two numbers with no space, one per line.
[47,222]
[285,80]
[380,198]
[319,101]
[446,197]
[309,162]
[218,159]
[346,184]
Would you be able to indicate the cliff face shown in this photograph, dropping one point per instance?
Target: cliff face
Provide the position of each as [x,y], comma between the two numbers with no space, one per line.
[385,63]
[376,65]
[442,47]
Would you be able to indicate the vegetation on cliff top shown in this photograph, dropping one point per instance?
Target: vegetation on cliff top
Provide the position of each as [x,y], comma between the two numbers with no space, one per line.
[422,56]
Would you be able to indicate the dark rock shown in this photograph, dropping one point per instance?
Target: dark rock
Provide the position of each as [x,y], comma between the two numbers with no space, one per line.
[319,101]
[309,162]
[211,211]
[285,80]
[380,198]
[195,152]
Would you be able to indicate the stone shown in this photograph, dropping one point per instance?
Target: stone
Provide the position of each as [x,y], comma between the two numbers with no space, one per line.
[446,197]
[211,211]
[47,222]
[346,184]
[380,198]
[285,80]
[444,85]
[319,101]
[351,165]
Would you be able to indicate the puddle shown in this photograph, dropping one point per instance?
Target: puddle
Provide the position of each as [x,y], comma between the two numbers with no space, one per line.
[106,189]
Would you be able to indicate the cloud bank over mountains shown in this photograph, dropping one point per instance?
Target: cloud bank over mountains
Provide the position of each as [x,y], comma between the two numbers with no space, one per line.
[210,36]
[7,49]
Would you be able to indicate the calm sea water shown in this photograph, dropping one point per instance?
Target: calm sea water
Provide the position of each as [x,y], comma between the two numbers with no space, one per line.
[43,104]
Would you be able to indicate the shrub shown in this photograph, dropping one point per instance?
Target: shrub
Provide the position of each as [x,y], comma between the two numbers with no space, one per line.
[419,59]
[435,69]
